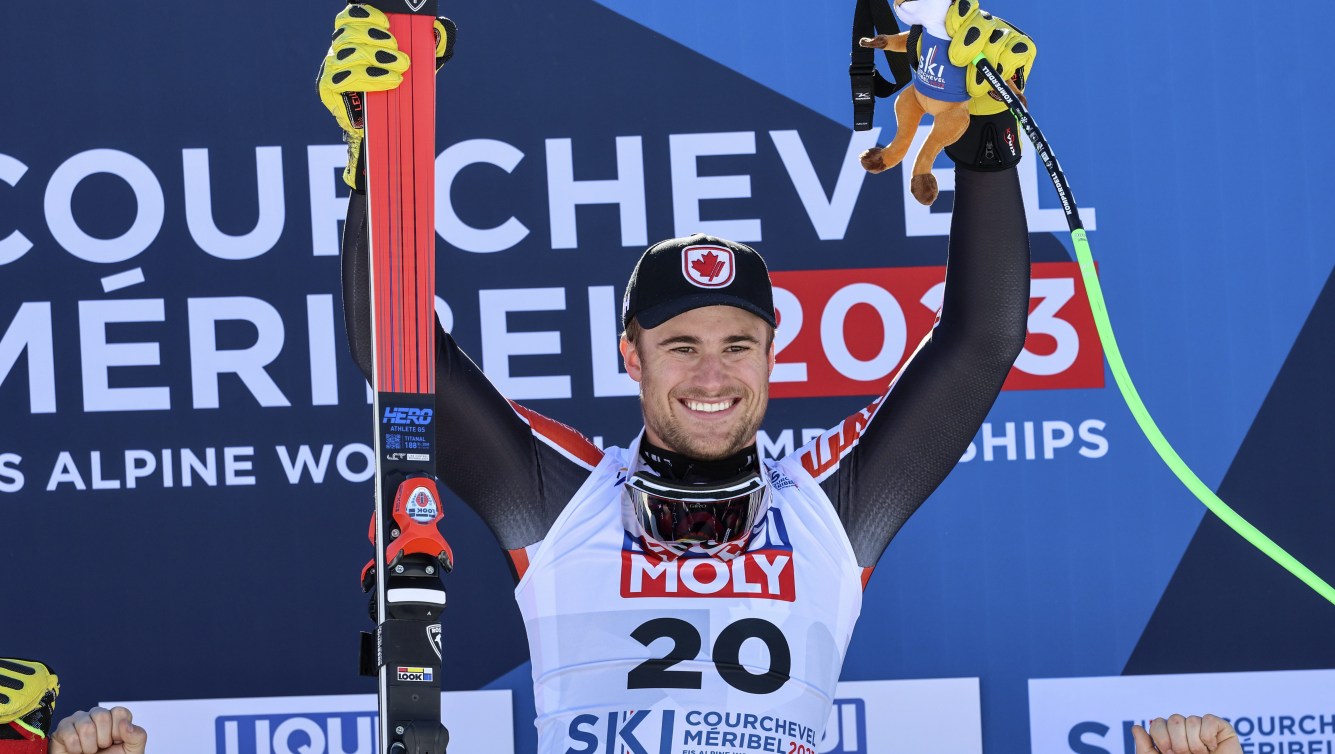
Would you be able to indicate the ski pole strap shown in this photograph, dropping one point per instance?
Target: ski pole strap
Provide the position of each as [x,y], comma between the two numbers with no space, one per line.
[1099,307]
[872,17]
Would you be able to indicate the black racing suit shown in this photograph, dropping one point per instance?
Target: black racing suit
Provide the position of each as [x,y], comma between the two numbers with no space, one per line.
[518,470]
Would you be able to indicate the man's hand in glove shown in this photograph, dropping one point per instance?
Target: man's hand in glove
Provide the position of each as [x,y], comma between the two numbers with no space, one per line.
[992,140]
[973,30]
[364,57]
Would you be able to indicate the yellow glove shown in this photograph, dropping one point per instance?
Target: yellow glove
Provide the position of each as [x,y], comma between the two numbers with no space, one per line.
[973,30]
[28,692]
[364,57]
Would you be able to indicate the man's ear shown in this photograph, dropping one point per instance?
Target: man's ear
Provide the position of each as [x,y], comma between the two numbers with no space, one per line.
[631,355]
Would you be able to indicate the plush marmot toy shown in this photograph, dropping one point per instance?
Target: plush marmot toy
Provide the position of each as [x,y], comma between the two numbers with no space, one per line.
[941,85]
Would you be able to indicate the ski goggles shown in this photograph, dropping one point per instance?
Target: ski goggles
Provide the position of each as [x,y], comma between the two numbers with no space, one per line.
[683,516]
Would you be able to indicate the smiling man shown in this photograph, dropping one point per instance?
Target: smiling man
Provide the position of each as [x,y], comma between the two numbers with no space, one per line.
[699,330]
[686,593]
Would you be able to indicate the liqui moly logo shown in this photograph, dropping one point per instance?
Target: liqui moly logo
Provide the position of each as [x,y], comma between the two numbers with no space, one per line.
[765,571]
[305,733]
[846,731]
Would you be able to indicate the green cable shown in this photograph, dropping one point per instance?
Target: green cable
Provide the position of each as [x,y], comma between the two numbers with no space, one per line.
[1179,467]
[1085,258]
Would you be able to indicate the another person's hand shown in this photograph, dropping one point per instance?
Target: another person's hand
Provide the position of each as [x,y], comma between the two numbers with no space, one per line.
[98,731]
[1187,735]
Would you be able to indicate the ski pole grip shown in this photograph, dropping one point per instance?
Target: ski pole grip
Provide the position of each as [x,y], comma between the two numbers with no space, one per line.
[410,7]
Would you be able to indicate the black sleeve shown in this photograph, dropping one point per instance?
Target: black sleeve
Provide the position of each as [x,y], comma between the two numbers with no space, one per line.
[913,436]
[516,468]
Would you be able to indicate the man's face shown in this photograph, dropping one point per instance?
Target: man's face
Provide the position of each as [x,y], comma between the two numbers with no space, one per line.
[704,380]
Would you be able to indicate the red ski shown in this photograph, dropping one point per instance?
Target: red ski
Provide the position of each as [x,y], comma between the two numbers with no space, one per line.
[411,554]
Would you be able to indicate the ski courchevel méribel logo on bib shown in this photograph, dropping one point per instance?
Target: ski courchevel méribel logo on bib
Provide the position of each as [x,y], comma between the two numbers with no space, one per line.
[764,572]
[708,266]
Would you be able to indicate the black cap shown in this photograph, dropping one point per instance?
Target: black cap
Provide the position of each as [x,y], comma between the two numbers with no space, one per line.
[681,274]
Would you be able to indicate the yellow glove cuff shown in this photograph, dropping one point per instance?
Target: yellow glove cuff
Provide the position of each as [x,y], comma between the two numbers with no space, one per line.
[354,140]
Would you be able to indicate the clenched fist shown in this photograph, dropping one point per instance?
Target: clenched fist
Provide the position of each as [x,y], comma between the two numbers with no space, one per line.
[1187,735]
[99,731]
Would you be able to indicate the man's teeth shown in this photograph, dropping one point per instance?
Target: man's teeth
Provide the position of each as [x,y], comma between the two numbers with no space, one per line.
[708,407]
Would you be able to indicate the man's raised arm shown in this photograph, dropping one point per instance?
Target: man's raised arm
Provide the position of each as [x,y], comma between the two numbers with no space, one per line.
[911,437]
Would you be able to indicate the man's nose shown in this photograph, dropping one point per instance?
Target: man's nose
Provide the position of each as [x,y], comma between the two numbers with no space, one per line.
[710,371]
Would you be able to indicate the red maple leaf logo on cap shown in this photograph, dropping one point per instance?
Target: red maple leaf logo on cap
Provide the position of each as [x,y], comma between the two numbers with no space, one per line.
[708,266]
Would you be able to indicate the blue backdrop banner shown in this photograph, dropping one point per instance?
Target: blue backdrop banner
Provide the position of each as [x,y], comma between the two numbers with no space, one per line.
[184,438]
